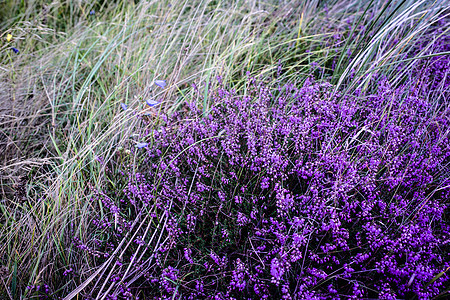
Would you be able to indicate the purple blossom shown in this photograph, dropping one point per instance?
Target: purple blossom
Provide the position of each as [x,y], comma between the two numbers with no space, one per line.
[160,83]
[151,102]
[141,145]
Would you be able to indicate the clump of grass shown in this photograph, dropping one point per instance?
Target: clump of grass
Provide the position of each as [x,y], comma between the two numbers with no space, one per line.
[77,78]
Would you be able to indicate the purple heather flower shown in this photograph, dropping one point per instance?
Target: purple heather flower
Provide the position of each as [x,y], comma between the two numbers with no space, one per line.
[124,106]
[238,276]
[276,270]
[67,272]
[187,255]
[160,83]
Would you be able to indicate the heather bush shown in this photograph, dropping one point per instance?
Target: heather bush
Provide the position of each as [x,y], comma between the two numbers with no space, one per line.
[284,192]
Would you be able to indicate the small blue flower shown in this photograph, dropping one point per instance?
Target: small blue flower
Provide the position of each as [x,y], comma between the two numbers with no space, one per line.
[92,12]
[124,106]
[141,145]
[15,50]
[160,83]
[151,102]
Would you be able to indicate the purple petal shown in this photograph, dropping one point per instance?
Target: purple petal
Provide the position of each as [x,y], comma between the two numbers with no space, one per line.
[124,106]
[160,83]
[141,145]
[151,102]
[15,50]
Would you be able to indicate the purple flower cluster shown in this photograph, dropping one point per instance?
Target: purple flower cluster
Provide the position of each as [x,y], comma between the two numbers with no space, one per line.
[289,192]
[39,291]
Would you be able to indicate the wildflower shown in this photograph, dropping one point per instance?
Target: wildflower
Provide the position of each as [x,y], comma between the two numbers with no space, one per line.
[67,272]
[160,83]
[151,102]
[8,37]
[141,145]
[92,12]
[276,270]
[124,106]
[238,276]
[15,50]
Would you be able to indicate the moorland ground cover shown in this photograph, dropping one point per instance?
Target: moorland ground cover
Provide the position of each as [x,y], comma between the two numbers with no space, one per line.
[225,150]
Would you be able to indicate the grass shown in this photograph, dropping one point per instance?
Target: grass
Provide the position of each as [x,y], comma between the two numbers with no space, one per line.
[60,115]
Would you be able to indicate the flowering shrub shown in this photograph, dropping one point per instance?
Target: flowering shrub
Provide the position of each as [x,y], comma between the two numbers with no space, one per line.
[287,193]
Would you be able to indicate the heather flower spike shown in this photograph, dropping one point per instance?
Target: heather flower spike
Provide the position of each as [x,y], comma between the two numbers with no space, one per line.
[151,102]
[160,83]
[124,106]
[141,145]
